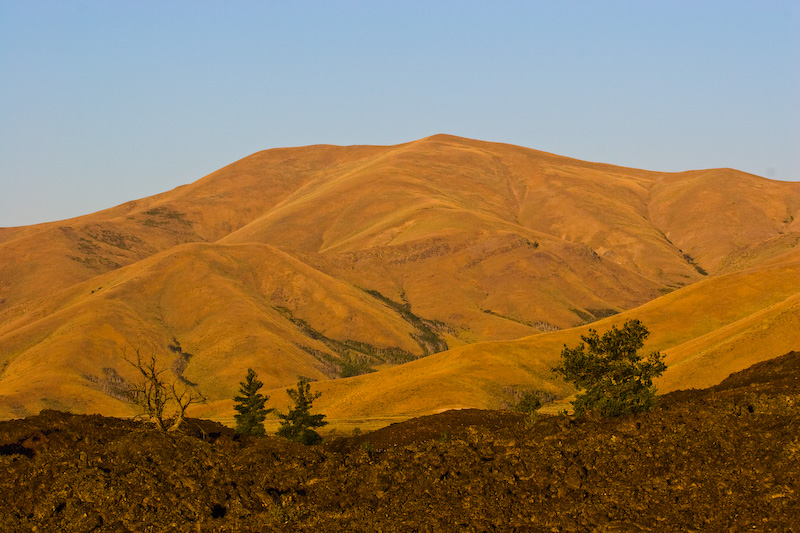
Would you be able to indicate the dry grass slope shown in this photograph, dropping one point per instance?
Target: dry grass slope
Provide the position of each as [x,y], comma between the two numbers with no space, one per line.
[294,261]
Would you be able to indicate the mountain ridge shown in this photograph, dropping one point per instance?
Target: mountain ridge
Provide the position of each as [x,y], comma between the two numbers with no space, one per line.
[324,257]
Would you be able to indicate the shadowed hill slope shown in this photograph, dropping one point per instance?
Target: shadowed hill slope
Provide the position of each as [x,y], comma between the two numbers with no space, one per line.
[329,261]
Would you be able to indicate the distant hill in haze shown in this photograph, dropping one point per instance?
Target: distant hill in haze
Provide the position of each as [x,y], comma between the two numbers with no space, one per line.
[453,268]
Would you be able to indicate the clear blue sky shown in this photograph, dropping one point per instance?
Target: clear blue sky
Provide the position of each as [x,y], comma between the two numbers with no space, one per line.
[104,102]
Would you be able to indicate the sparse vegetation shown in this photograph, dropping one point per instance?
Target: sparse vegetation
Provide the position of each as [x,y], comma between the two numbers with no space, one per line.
[355,367]
[163,216]
[111,383]
[181,361]
[353,356]
[298,424]
[602,312]
[425,335]
[529,405]
[689,259]
[616,379]
[593,314]
[250,406]
[506,317]
[583,315]
[113,238]
[96,263]
[367,448]
[539,324]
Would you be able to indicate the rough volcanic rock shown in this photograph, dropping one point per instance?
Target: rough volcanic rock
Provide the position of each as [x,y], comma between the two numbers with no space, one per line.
[721,459]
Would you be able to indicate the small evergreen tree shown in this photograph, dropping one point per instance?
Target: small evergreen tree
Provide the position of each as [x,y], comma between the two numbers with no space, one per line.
[250,404]
[298,423]
[616,379]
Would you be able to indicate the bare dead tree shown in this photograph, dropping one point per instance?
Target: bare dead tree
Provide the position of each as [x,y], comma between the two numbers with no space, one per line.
[163,404]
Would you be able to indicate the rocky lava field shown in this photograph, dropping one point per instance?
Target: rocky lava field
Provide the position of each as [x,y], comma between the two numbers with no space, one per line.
[720,459]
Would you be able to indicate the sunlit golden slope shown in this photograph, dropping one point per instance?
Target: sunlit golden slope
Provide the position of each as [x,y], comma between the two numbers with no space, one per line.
[726,220]
[300,261]
[715,327]
[221,305]
[60,254]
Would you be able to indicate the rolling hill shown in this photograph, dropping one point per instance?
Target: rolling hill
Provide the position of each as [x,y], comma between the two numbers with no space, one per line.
[455,269]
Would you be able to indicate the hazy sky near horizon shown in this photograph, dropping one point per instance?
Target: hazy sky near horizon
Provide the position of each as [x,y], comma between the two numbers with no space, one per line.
[105,102]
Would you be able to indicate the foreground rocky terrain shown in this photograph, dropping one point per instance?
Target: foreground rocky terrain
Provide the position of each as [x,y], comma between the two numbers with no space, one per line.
[720,459]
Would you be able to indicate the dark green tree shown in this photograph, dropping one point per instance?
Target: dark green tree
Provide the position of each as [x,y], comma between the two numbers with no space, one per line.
[615,377]
[250,405]
[298,423]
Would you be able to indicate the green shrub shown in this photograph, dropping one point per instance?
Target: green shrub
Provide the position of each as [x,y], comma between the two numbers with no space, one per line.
[615,378]
[529,403]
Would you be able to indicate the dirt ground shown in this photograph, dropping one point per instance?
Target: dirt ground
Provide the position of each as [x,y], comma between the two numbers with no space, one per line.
[721,459]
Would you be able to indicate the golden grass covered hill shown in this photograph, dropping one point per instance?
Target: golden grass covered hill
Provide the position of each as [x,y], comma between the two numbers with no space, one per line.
[325,261]
[707,331]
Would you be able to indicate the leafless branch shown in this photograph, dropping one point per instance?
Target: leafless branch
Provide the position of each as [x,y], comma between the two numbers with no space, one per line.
[162,404]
